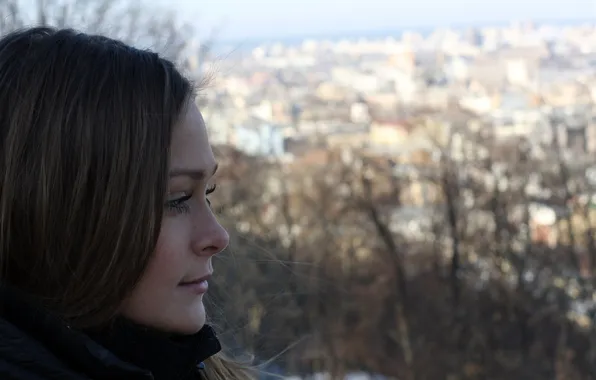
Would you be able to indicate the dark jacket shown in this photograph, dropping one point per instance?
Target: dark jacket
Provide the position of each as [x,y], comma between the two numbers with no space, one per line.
[35,345]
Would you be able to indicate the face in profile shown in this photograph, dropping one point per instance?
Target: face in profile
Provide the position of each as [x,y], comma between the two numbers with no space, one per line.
[169,296]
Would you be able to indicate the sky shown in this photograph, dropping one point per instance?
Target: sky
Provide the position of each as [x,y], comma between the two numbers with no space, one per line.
[250,19]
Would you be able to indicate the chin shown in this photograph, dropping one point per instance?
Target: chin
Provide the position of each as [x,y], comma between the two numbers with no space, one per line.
[190,322]
[185,320]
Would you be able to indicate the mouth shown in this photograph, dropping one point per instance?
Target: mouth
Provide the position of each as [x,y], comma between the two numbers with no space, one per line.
[197,285]
[207,277]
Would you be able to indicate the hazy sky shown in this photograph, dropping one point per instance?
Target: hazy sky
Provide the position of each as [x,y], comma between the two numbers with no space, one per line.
[271,18]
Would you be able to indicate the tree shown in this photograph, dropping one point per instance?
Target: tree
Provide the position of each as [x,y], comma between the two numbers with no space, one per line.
[128,20]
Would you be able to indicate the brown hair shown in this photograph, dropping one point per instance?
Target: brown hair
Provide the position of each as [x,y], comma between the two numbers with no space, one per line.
[220,367]
[85,125]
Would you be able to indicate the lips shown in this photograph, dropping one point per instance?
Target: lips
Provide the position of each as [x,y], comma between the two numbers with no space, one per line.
[197,286]
[196,280]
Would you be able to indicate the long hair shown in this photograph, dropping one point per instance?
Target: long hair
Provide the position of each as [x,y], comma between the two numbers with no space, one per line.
[85,130]
[220,367]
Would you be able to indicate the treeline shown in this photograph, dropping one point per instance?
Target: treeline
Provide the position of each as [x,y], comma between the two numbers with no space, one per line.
[427,269]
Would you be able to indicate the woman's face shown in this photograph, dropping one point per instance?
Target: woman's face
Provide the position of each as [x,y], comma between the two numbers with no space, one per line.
[169,296]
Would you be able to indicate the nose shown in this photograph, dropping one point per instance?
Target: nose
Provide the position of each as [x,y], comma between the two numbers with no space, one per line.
[210,237]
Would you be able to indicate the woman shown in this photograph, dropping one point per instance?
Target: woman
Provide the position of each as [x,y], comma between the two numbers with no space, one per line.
[106,234]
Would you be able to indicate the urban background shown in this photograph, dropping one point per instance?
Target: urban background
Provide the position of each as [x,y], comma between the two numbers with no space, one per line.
[417,205]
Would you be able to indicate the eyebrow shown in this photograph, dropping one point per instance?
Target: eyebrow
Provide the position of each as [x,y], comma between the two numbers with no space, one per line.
[197,175]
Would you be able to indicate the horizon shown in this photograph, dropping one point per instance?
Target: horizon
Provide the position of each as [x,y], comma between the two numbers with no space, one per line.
[268,19]
[395,32]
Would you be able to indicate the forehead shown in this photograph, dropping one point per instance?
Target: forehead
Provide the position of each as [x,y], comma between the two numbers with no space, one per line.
[190,146]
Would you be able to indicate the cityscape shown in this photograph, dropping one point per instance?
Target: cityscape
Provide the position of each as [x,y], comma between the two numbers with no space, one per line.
[486,131]
[535,83]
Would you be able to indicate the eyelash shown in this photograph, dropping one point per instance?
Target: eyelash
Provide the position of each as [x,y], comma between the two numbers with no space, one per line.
[179,205]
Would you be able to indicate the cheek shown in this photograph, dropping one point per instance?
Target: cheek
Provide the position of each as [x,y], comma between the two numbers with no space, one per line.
[170,258]
[156,300]
[165,270]
[169,261]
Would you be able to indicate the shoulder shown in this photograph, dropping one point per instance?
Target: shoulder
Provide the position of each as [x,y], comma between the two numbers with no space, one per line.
[22,357]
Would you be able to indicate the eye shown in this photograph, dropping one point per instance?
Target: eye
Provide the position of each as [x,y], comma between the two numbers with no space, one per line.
[179,205]
[210,190]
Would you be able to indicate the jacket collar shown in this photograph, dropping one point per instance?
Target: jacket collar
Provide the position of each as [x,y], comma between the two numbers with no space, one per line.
[165,356]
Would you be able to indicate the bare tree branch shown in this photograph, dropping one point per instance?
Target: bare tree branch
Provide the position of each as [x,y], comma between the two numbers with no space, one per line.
[131,21]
